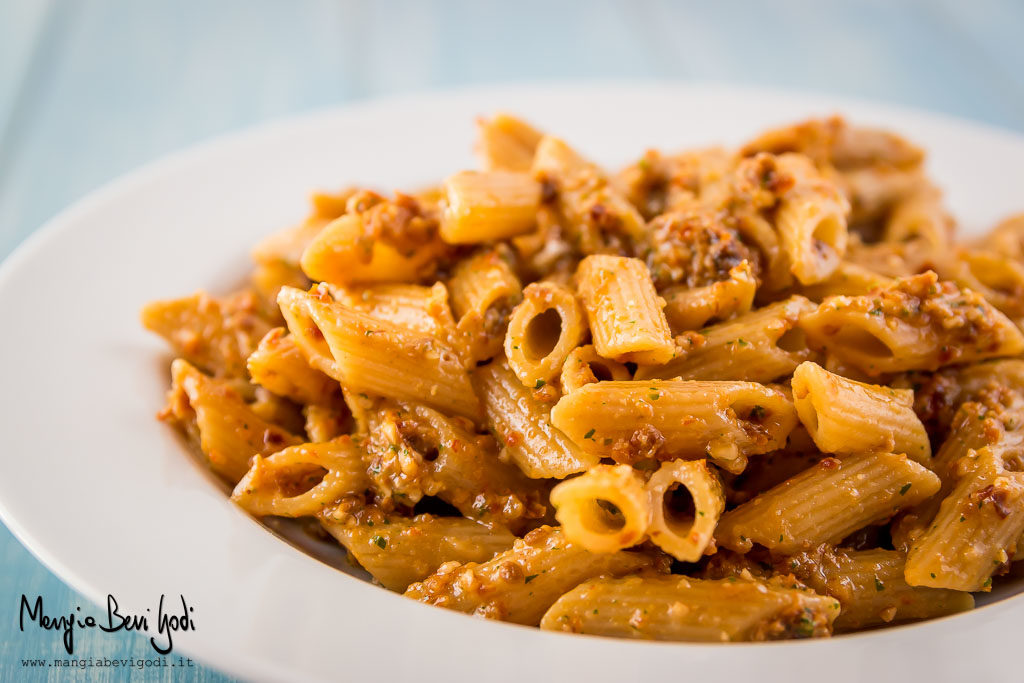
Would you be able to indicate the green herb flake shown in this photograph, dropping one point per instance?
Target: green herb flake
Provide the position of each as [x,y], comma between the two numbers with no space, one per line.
[531,577]
[590,434]
[379,541]
[539,384]
[879,586]
[903,491]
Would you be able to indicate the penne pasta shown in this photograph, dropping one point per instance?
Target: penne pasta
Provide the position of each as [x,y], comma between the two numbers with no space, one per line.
[693,308]
[489,206]
[759,346]
[399,551]
[630,421]
[521,584]
[686,500]
[506,143]
[543,330]
[218,421]
[278,365]
[302,480]
[827,502]
[584,366]
[870,587]
[375,356]
[484,290]
[686,609]
[916,324]
[522,425]
[844,416]
[625,313]
[604,509]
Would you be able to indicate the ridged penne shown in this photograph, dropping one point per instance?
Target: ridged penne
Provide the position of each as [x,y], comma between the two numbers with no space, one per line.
[844,416]
[375,356]
[219,422]
[521,584]
[278,365]
[523,426]
[418,308]
[870,587]
[543,330]
[399,551]
[759,346]
[216,335]
[918,323]
[343,254]
[506,143]
[977,527]
[484,290]
[488,206]
[686,609]
[691,308]
[726,421]
[827,502]
[604,509]
[811,221]
[302,480]
[625,313]
[686,501]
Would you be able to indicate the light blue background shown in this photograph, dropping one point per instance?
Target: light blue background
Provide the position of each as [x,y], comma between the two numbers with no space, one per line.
[90,89]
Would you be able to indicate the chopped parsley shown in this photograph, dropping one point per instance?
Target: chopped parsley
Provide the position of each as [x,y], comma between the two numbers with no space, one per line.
[539,384]
[903,491]
[590,434]
[531,577]
[379,541]
[879,586]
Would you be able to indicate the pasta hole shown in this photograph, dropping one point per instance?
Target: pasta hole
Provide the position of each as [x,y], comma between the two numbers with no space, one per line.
[678,507]
[793,341]
[432,505]
[542,334]
[862,341]
[604,517]
[601,372]
[300,479]
[827,235]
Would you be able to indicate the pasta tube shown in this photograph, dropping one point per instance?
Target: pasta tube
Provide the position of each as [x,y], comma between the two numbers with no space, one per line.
[603,510]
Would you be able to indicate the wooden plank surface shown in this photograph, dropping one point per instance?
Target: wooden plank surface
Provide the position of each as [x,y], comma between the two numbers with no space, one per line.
[90,89]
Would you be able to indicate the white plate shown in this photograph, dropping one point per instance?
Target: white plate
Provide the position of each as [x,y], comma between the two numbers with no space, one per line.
[108,499]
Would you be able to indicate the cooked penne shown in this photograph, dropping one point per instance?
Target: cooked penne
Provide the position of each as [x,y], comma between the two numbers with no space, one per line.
[399,551]
[604,509]
[489,206]
[597,214]
[995,276]
[302,480]
[584,366]
[484,290]
[214,334]
[870,587]
[689,308]
[343,254]
[542,331]
[278,365]
[811,221]
[686,500]
[218,421]
[701,610]
[414,451]
[916,324]
[977,527]
[844,416]
[520,584]
[920,215]
[827,502]
[506,143]
[759,346]
[625,313]
[523,426]
[376,356]
[418,308]
[629,421]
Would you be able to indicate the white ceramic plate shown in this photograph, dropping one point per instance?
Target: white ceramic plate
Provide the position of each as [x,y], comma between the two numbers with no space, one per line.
[108,499]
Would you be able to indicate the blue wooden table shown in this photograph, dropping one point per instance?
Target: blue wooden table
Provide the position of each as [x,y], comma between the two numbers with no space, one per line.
[90,89]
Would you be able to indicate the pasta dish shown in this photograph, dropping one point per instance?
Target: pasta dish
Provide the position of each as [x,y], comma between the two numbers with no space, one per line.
[718,395]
